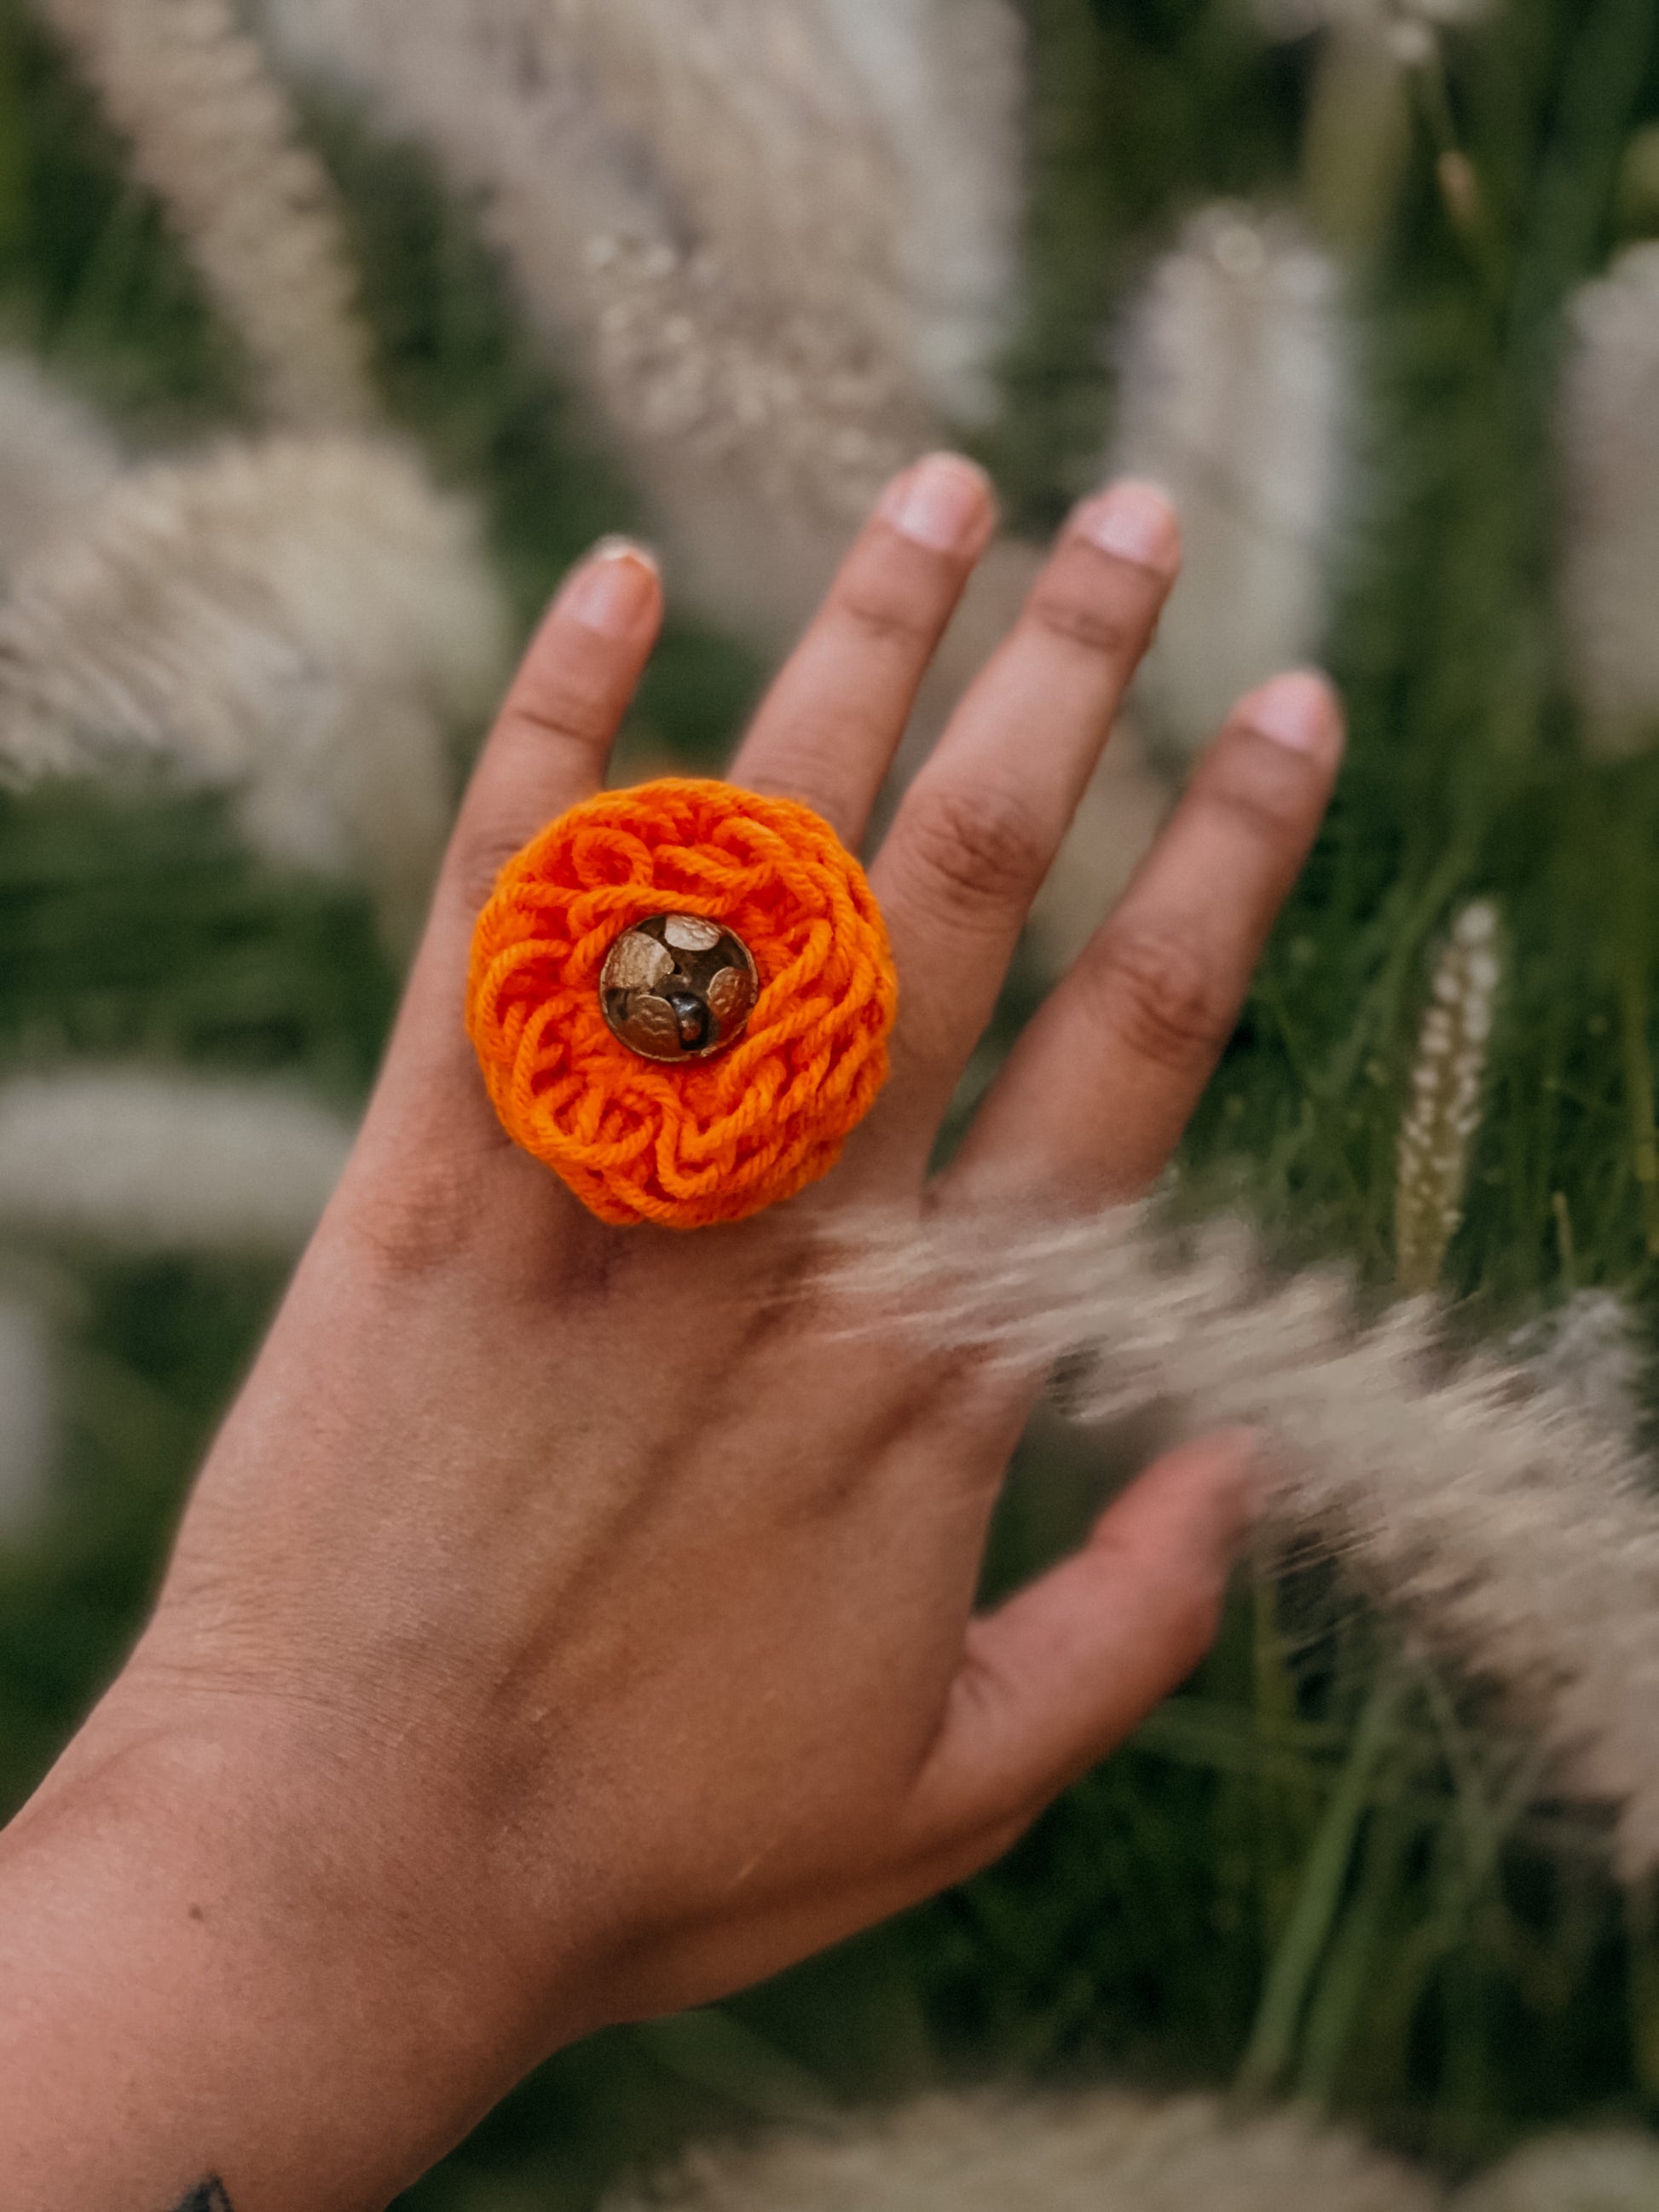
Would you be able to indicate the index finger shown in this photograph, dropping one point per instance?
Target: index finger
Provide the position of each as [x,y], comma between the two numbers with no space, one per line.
[547,751]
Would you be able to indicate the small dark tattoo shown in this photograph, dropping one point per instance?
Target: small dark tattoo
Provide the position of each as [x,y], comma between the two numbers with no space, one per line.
[208,2196]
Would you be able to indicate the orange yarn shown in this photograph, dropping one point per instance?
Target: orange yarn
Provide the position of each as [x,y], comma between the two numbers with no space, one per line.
[701,1141]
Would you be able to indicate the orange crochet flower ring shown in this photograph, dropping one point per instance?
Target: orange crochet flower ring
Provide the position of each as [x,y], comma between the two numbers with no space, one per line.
[715,1136]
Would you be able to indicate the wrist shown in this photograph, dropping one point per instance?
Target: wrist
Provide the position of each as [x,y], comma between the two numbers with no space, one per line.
[230,1922]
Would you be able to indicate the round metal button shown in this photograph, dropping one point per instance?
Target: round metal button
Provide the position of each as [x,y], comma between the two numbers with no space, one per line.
[675,986]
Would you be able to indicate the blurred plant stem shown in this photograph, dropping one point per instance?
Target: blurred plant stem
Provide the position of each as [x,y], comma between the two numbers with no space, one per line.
[1355,145]
[1286,1802]
[1268,2053]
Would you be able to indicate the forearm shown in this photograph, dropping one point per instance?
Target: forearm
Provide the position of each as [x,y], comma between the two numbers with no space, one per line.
[198,1997]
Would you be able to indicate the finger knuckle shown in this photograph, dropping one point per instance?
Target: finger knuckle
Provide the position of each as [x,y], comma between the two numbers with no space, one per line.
[888,617]
[477,860]
[799,769]
[405,1228]
[1259,785]
[894,615]
[978,851]
[566,708]
[1060,609]
[1155,991]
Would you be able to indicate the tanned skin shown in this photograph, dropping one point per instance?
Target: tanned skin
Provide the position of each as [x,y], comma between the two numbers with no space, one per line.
[567,1626]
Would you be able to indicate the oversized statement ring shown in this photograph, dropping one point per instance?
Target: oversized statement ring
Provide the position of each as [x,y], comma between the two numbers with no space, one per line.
[680,996]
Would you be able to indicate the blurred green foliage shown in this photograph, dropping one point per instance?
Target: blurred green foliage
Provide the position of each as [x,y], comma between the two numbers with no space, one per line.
[1316,1870]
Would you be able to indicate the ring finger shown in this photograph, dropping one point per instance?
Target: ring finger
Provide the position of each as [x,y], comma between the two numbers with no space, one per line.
[1100,1085]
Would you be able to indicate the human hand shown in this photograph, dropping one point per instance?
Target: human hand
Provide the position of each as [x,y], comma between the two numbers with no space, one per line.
[567,1626]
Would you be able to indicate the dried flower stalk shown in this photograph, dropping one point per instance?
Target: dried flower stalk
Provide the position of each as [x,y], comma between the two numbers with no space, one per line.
[213,133]
[1444,1113]
[301,620]
[1516,1536]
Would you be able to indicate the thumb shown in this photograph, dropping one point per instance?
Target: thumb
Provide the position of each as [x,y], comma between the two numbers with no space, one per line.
[1062,1673]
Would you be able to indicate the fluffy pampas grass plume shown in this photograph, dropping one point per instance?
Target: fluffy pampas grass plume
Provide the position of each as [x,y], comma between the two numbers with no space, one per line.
[1610,458]
[1233,394]
[1587,1350]
[299,619]
[1112,2150]
[1510,1532]
[1108,2151]
[213,135]
[775,243]
[136,1160]
[1444,1110]
[56,460]
[147,1161]
[1602,2173]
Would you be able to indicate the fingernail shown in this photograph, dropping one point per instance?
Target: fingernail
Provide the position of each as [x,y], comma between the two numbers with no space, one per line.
[942,502]
[1298,711]
[1133,522]
[614,588]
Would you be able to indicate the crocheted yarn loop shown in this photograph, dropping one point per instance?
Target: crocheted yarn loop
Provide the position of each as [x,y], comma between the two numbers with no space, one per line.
[704,1142]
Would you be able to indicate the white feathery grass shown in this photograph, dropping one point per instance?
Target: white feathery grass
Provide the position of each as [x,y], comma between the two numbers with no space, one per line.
[776,244]
[301,619]
[1513,1535]
[1104,2151]
[1448,1077]
[1587,1350]
[56,460]
[28,1411]
[850,159]
[1613,2172]
[143,1160]
[944,85]
[1234,395]
[1609,430]
[212,134]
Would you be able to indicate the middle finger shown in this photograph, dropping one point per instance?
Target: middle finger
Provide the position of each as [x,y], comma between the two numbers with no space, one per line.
[826,731]
[981,825]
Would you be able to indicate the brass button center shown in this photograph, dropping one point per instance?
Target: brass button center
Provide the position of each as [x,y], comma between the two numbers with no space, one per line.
[675,986]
